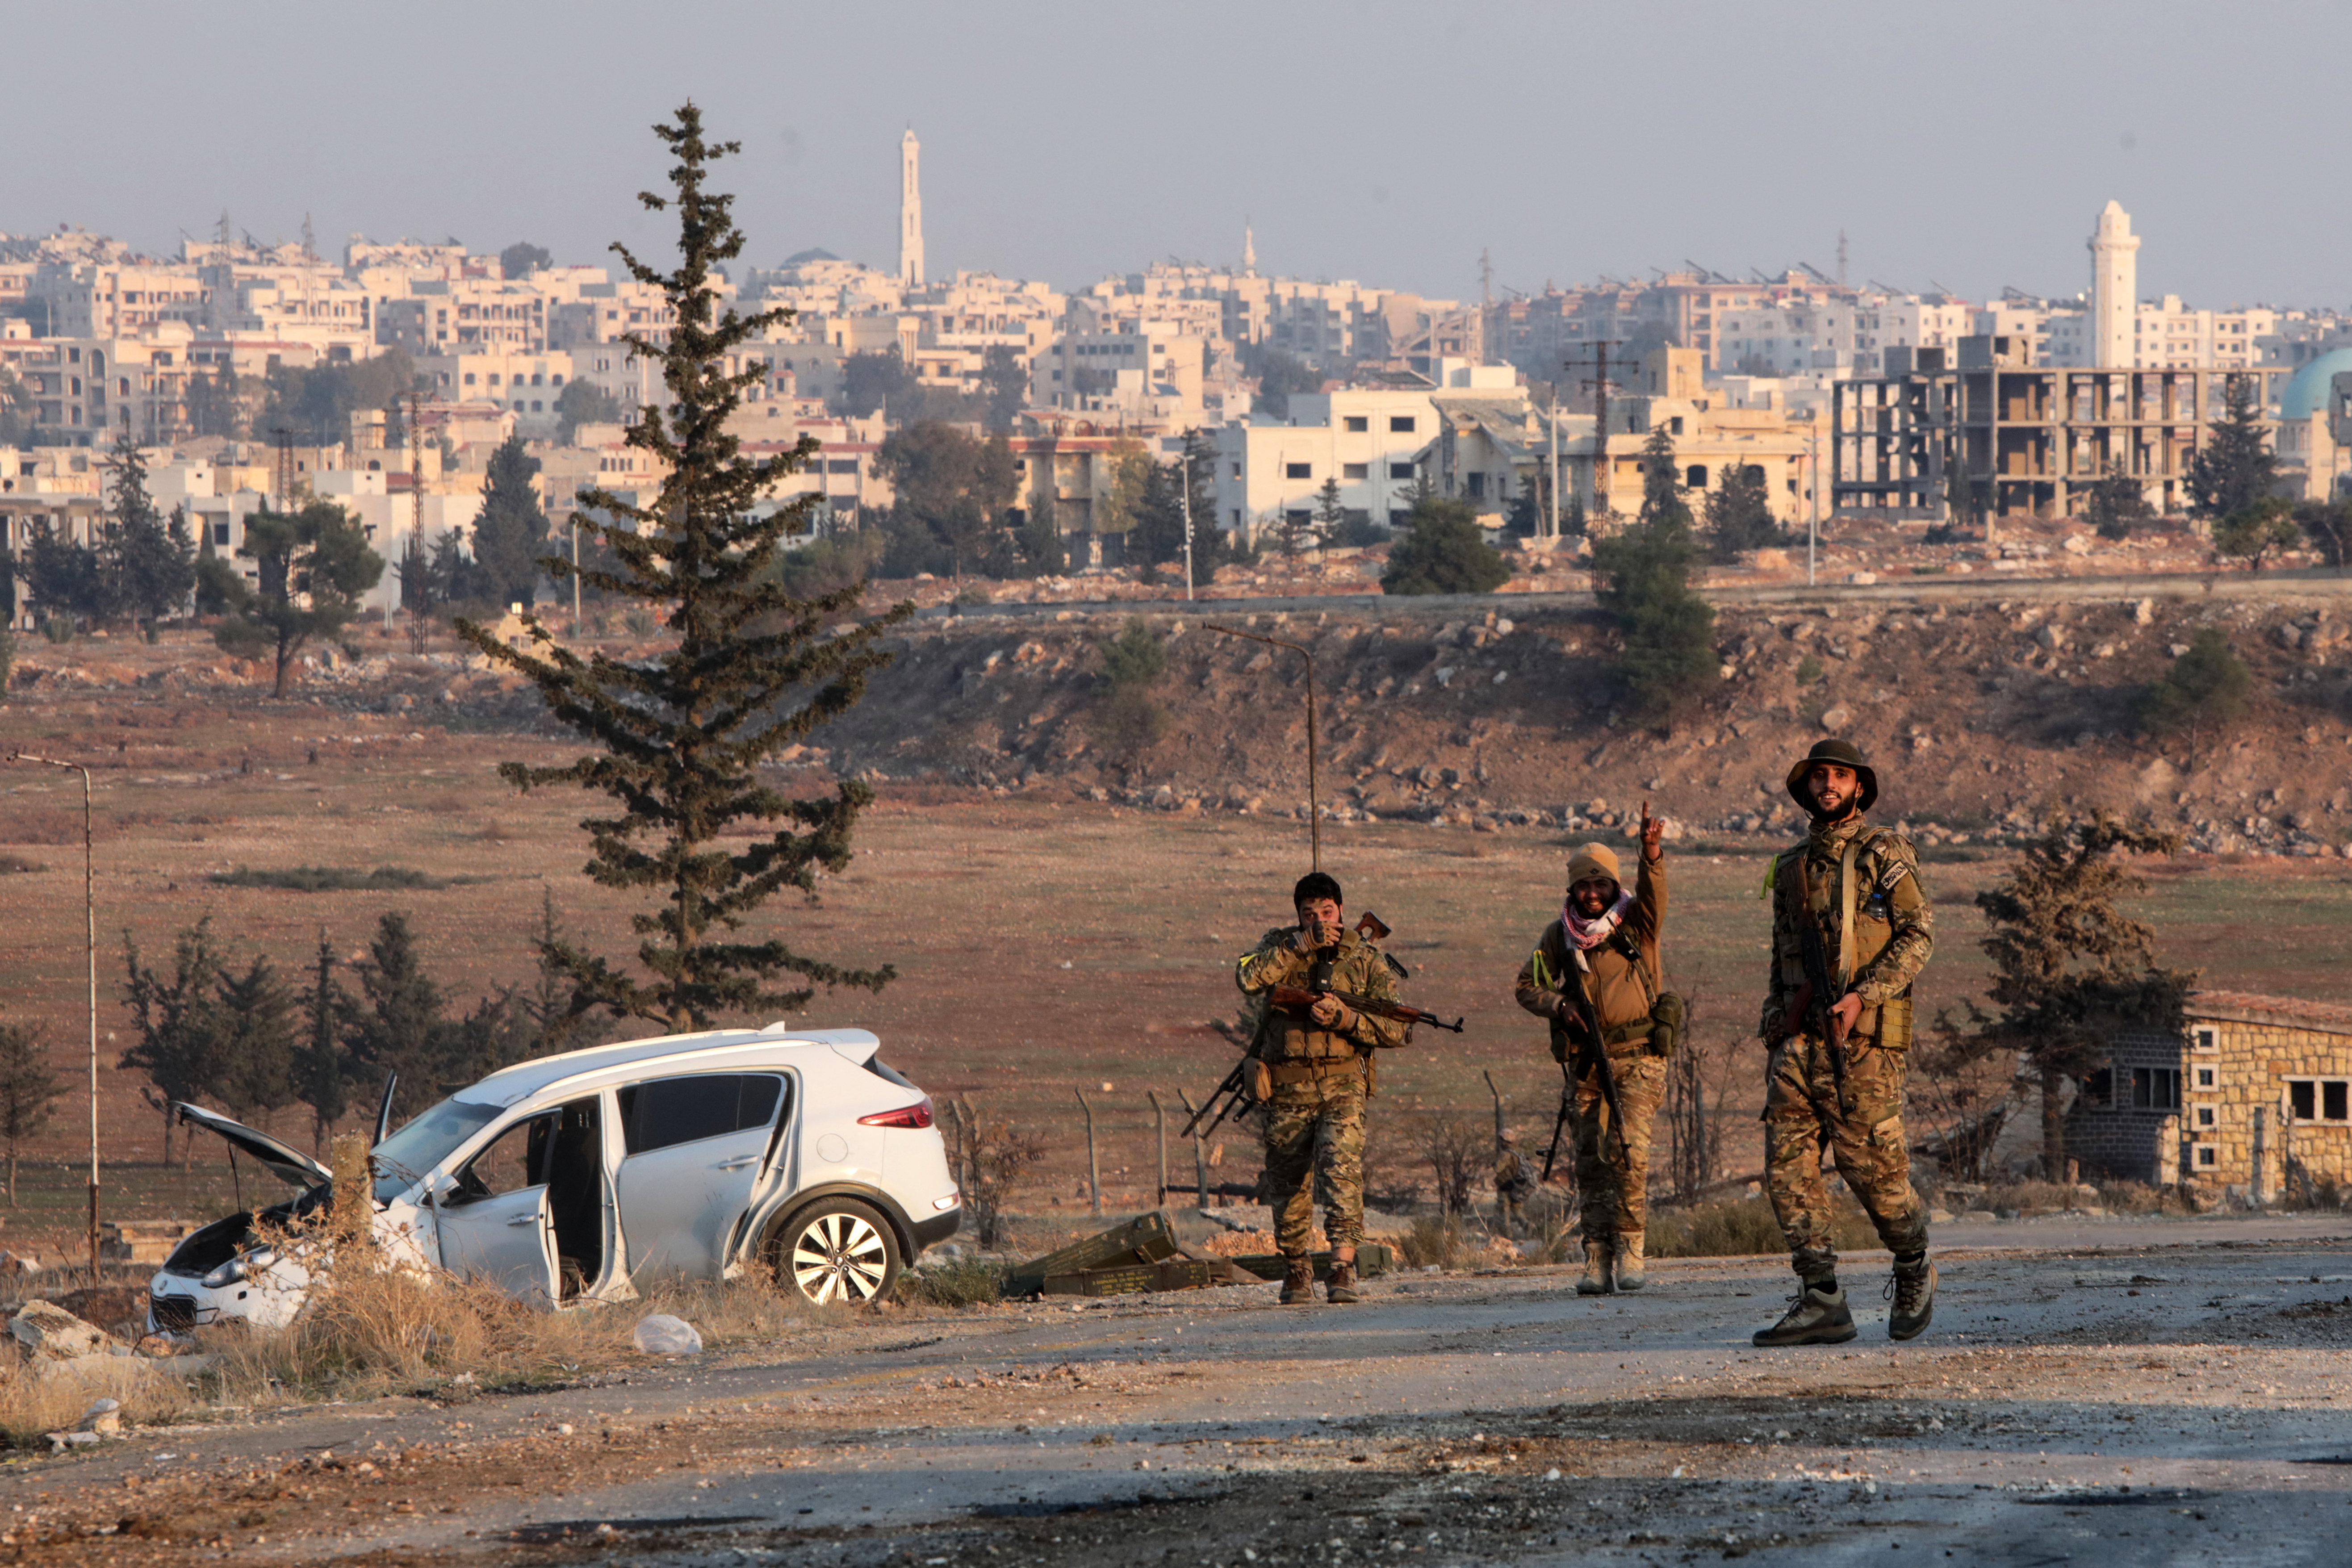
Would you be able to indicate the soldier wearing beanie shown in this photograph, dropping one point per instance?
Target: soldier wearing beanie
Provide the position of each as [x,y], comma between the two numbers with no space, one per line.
[1599,960]
[1857,887]
[1316,1073]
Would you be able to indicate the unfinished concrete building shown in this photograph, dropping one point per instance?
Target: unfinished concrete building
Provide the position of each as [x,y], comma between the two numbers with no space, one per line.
[2027,439]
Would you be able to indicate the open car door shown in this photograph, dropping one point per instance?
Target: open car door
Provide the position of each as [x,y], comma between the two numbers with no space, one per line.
[493,1220]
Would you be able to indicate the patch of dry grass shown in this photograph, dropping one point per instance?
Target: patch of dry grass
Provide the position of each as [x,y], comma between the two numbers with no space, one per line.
[37,1399]
[1745,1227]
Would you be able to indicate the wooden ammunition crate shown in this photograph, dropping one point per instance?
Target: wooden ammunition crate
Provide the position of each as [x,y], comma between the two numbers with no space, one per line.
[1371,1258]
[1169,1274]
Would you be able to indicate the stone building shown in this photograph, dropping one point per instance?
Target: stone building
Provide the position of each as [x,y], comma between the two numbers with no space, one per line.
[2253,1096]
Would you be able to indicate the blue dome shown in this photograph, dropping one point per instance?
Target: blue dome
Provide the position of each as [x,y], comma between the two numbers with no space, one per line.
[2306,390]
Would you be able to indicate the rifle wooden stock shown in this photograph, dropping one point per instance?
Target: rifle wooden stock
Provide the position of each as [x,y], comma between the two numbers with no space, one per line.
[1300,998]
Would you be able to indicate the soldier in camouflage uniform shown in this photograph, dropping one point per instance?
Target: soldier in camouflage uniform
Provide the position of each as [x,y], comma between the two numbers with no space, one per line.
[1313,1075]
[1513,1185]
[1858,885]
[1603,947]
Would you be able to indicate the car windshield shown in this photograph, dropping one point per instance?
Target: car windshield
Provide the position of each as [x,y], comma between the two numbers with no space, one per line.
[402,1159]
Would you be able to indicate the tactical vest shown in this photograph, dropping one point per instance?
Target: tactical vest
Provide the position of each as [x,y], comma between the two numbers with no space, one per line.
[1856,926]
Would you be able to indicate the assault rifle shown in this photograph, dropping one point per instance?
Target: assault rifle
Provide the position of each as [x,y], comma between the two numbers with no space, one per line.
[1600,1066]
[1815,1002]
[1231,1091]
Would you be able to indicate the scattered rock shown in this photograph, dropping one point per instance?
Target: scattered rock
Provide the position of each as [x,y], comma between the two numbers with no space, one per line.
[104,1417]
[1837,718]
[49,1333]
[662,1334]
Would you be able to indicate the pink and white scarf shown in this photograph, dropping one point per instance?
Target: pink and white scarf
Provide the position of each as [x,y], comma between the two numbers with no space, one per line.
[1587,934]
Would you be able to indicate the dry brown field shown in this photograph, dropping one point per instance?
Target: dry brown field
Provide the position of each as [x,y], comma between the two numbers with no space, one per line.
[1045,943]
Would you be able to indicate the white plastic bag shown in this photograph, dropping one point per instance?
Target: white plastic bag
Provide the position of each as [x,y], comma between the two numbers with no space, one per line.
[662,1334]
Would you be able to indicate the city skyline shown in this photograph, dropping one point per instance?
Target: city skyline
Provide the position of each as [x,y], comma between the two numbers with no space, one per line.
[1181,147]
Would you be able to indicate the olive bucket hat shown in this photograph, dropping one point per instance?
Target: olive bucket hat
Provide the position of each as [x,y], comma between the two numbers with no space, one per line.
[1845,753]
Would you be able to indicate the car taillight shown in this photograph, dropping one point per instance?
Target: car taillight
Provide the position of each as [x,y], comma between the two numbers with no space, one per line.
[916,1115]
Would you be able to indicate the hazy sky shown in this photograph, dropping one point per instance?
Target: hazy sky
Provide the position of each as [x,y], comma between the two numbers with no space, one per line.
[1969,145]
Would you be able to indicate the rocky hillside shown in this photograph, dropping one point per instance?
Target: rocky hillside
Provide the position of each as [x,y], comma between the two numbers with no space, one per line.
[1979,719]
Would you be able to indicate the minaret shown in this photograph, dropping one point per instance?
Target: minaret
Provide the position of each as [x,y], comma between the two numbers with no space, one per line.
[2114,292]
[911,210]
[1249,251]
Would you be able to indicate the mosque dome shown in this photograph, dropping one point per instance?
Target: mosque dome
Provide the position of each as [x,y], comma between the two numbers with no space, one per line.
[2306,390]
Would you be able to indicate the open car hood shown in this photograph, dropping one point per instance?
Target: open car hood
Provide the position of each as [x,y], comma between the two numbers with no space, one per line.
[290,1166]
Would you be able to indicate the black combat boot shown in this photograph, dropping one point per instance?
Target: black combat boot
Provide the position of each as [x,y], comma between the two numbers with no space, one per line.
[1340,1290]
[1817,1316]
[1913,1293]
[1298,1281]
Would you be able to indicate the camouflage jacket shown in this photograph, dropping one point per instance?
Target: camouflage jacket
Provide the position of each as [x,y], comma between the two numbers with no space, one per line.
[1622,989]
[1894,927]
[1289,1034]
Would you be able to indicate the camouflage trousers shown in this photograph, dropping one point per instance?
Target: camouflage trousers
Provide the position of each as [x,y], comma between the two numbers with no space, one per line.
[1801,1111]
[1613,1165]
[1315,1143]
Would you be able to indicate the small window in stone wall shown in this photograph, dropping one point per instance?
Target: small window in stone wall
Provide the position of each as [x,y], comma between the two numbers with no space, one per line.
[2206,1155]
[2208,1117]
[2319,1100]
[2207,1077]
[2204,1038]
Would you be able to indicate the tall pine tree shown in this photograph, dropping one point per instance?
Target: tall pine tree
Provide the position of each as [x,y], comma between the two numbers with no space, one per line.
[146,563]
[2235,470]
[680,734]
[1667,629]
[511,531]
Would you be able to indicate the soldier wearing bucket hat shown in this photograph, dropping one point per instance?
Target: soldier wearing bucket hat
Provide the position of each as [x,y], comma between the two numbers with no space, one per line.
[1598,964]
[1847,904]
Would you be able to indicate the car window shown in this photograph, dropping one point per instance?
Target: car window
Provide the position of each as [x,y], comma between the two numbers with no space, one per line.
[670,1110]
[516,1158]
[424,1142]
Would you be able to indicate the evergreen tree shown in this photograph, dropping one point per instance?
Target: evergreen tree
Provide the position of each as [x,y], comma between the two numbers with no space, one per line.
[1666,630]
[2070,972]
[1329,515]
[1661,483]
[510,531]
[2254,531]
[2236,469]
[61,575]
[146,563]
[314,566]
[548,1004]
[217,582]
[178,1020]
[2117,502]
[2206,688]
[583,403]
[1443,551]
[322,1067]
[29,1092]
[416,574]
[258,1041]
[682,732]
[401,1024]
[1739,514]
[450,575]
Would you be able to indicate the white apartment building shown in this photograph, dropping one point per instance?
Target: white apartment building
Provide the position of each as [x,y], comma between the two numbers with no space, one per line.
[1119,373]
[525,384]
[1366,439]
[2165,334]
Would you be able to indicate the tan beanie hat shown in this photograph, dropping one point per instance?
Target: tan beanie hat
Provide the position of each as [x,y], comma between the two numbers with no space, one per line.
[1592,861]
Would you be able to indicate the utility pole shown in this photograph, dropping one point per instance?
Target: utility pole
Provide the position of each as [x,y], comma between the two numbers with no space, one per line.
[1314,808]
[90,951]
[1599,381]
[1555,467]
[1184,483]
[1814,522]
[285,438]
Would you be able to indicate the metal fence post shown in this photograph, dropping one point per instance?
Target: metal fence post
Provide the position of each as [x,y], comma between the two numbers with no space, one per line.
[1200,1158]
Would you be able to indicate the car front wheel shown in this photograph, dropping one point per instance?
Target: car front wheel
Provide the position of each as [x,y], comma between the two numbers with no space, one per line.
[837,1250]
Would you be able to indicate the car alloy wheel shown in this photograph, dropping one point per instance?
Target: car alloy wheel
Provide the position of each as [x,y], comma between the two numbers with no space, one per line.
[840,1251]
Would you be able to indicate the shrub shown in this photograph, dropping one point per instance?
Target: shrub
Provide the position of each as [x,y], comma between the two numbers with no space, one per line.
[331,879]
[1433,1241]
[1743,1227]
[1135,656]
[1443,551]
[957,1282]
[1809,670]
[58,629]
[2206,686]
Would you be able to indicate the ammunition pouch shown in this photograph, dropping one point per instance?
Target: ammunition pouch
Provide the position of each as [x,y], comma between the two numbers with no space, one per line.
[1261,1081]
[1668,1014]
[1281,1074]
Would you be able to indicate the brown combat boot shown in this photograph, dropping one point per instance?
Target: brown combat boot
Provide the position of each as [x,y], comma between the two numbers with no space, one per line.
[1595,1279]
[1817,1317]
[1631,1274]
[1340,1290]
[1913,1293]
[1298,1281]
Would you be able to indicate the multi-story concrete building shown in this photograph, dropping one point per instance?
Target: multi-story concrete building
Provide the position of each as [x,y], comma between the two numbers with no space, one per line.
[1368,438]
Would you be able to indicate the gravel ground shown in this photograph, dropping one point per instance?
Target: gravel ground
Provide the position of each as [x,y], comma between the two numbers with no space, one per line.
[2124,1393]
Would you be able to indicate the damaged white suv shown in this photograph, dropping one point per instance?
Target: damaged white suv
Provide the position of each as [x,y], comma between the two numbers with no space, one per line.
[579,1177]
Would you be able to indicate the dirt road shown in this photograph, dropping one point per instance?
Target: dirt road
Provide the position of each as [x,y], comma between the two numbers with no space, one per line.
[2098,1393]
